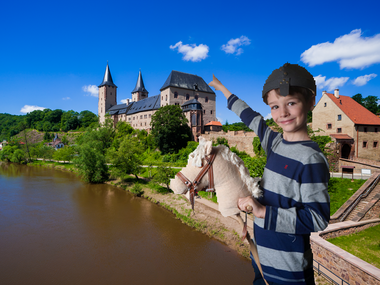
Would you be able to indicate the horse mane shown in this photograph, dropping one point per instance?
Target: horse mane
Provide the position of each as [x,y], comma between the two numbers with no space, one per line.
[197,156]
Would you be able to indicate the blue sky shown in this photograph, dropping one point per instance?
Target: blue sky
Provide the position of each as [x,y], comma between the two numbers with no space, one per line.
[53,54]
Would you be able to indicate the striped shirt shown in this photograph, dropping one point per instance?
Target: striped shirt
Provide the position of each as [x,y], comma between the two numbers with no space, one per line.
[297,203]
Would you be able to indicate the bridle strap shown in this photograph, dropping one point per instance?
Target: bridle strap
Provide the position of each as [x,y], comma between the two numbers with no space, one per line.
[192,186]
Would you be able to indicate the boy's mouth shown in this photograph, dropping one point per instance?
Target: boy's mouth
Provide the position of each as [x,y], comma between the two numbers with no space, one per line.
[286,122]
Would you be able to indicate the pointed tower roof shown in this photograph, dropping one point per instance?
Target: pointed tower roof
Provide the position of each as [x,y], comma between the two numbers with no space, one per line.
[107,79]
[139,85]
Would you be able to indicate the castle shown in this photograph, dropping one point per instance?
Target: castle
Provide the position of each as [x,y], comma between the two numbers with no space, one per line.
[189,91]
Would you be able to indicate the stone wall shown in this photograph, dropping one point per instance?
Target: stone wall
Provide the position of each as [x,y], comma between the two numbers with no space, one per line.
[360,163]
[240,139]
[341,263]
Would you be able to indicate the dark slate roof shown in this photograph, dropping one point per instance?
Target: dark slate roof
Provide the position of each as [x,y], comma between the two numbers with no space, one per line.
[186,81]
[150,103]
[107,79]
[139,84]
[193,101]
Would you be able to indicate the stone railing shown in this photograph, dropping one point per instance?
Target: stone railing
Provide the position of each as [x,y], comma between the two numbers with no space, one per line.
[339,264]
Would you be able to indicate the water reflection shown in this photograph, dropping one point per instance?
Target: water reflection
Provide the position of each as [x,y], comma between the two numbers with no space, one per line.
[55,229]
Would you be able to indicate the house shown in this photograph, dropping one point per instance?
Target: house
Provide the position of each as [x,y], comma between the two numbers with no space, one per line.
[354,129]
[179,89]
[213,126]
[56,143]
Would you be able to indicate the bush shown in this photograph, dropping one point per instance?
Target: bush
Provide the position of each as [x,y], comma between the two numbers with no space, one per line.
[137,190]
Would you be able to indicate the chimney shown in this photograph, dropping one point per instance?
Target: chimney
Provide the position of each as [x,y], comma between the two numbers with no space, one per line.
[336,93]
[323,92]
[127,101]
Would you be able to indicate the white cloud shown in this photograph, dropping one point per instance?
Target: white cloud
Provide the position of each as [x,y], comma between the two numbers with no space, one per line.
[233,44]
[350,51]
[268,116]
[331,83]
[28,108]
[191,52]
[363,80]
[66,98]
[125,101]
[92,89]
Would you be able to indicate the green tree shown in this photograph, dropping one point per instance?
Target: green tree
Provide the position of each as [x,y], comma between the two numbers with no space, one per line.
[46,152]
[358,98]
[170,129]
[125,160]
[86,118]
[18,156]
[370,103]
[91,163]
[65,154]
[70,121]
[163,175]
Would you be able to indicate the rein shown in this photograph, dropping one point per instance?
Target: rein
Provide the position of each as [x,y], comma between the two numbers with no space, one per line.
[193,186]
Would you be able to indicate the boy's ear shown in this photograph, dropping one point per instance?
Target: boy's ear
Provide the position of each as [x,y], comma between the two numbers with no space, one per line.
[312,103]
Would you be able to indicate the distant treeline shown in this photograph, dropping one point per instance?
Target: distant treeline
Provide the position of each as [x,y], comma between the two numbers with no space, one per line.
[45,121]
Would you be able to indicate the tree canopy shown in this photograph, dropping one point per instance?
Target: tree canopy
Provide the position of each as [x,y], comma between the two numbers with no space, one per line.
[370,102]
[170,129]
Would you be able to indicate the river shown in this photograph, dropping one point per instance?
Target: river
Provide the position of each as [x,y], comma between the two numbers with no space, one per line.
[55,229]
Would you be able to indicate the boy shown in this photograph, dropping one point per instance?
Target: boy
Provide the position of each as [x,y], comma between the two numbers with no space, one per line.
[295,200]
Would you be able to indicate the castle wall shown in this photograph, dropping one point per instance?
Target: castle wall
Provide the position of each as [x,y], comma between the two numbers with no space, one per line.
[206,99]
[240,139]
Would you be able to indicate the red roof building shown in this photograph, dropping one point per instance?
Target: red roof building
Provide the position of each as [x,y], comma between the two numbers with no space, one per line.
[353,127]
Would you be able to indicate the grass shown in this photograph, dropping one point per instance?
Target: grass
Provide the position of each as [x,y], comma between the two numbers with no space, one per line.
[364,244]
[341,190]
[209,196]
[68,166]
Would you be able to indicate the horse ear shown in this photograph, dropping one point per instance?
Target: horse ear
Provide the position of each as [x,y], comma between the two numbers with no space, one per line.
[208,147]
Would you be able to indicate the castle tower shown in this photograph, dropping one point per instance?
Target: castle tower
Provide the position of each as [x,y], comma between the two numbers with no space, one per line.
[107,95]
[139,92]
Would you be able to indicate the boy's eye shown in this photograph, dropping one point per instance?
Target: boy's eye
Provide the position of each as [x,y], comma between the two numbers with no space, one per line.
[274,107]
[291,103]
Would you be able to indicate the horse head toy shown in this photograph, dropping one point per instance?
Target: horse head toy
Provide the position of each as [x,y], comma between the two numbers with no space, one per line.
[227,176]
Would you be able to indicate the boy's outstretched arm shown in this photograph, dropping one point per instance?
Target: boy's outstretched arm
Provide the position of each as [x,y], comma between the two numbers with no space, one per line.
[219,86]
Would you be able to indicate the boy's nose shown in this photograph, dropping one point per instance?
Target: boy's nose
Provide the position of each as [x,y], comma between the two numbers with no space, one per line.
[284,112]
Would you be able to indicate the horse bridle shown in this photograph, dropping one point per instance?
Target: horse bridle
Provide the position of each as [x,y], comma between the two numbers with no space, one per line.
[193,186]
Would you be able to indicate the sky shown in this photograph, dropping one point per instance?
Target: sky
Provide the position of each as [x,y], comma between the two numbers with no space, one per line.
[54,54]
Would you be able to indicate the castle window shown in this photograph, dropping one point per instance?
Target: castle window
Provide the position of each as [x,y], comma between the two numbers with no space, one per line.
[325,104]
[187,96]
[193,119]
[150,115]
[175,95]
[375,144]
[206,99]
[145,123]
[339,117]
[376,130]
[365,129]
[204,111]
[339,130]
[166,98]
[145,116]
[176,103]
[211,112]
[196,97]
[329,126]
[140,116]
[365,144]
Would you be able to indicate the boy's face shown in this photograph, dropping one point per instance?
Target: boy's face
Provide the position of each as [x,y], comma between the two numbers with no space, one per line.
[290,113]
